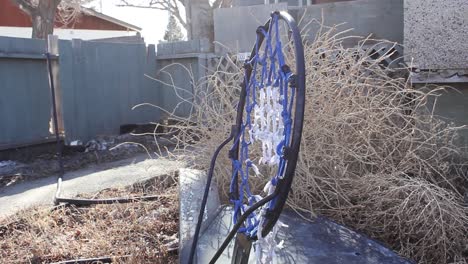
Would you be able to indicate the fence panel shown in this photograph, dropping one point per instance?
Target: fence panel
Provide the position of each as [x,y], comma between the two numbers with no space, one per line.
[181,66]
[25,105]
[101,82]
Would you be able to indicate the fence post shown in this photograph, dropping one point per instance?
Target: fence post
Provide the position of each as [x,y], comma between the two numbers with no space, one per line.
[53,50]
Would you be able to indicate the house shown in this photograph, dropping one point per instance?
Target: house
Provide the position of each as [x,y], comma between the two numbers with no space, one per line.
[90,25]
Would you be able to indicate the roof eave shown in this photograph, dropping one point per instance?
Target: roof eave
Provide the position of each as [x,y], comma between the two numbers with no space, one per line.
[92,12]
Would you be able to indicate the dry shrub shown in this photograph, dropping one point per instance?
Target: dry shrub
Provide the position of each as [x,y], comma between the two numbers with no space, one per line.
[419,219]
[373,155]
[140,232]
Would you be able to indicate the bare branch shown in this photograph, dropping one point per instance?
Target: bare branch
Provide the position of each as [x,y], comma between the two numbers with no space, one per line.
[222,3]
[172,6]
[44,13]
[158,6]
[27,6]
[69,10]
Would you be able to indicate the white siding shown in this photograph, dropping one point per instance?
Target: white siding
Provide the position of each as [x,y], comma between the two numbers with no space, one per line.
[84,34]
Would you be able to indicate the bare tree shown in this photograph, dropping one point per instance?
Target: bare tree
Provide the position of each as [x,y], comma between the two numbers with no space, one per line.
[173,31]
[197,12]
[68,11]
[44,14]
[172,6]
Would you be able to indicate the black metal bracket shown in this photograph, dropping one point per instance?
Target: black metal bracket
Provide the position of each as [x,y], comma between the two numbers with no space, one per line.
[276,12]
[292,80]
[247,65]
[287,153]
[260,30]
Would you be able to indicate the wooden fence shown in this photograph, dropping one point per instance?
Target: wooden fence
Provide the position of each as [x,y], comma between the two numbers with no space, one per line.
[98,84]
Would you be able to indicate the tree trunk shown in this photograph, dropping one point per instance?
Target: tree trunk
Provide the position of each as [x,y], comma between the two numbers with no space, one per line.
[200,16]
[43,18]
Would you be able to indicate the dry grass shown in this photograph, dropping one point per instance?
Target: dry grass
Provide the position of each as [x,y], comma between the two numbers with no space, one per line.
[145,232]
[373,155]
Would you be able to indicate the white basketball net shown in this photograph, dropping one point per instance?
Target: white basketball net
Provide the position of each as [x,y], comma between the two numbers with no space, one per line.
[268,129]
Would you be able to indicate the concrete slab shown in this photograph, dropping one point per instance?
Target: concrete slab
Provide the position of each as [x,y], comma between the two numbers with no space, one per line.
[320,241]
[88,180]
[192,185]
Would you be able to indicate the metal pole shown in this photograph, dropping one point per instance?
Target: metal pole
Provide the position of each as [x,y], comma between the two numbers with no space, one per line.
[56,127]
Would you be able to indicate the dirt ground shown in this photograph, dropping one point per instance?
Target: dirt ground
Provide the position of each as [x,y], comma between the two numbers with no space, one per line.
[41,161]
[139,232]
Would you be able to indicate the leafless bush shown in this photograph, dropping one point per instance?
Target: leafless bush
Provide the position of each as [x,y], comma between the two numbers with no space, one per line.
[373,155]
[70,10]
[139,232]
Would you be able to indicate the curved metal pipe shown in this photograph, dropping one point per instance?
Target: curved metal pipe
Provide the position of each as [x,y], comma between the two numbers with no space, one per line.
[205,197]
[79,201]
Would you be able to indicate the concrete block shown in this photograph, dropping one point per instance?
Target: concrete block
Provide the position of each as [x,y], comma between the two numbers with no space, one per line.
[436,33]
[248,2]
[165,49]
[235,27]
[379,19]
[318,241]
[192,185]
[184,47]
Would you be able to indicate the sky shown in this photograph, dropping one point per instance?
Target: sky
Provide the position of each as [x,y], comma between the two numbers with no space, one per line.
[153,22]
